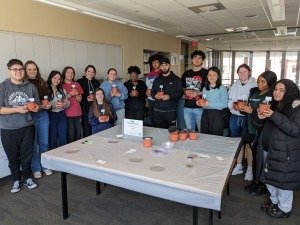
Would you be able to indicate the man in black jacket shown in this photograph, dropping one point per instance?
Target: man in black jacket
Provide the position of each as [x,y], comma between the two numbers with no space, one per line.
[166,90]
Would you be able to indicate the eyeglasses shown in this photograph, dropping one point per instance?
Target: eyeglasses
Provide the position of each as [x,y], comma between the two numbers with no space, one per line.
[16,70]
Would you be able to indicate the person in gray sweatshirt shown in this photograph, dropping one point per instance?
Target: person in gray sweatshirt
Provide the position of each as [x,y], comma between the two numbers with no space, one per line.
[16,123]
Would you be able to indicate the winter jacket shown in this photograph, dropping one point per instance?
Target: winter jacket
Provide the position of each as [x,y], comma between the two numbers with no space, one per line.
[281,168]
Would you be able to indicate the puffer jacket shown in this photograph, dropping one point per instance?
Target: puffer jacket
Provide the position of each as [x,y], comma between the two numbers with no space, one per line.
[281,167]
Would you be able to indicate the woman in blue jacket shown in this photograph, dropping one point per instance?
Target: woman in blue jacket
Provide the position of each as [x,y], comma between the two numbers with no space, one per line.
[212,121]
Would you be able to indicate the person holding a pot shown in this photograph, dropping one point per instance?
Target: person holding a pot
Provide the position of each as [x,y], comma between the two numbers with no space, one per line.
[279,146]
[238,93]
[135,103]
[166,90]
[116,93]
[260,95]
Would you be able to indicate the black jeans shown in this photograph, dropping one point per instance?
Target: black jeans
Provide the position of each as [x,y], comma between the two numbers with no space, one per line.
[18,146]
[165,119]
[74,128]
[134,114]
[86,127]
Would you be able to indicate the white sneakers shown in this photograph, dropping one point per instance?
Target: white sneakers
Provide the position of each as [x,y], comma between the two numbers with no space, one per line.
[249,175]
[38,175]
[48,172]
[238,169]
[16,187]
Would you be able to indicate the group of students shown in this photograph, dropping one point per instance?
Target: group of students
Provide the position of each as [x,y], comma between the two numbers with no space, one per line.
[66,108]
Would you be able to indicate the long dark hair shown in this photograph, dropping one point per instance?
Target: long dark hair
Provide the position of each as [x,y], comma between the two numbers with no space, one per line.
[291,94]
[60,90]
[39,78]
[96,111]
[64,73]
[219,80]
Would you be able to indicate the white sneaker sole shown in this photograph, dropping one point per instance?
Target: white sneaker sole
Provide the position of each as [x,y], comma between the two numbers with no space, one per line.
[15,190]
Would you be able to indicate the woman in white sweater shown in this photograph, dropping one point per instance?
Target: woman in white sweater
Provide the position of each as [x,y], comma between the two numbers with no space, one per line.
[238,120]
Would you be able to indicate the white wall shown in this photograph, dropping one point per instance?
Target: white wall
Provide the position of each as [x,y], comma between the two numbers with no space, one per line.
[55,53]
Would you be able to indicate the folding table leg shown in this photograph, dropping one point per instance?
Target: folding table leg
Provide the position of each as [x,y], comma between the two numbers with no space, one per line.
[98,190]
[228,188]
[211,214]
[195,215]
[64,193]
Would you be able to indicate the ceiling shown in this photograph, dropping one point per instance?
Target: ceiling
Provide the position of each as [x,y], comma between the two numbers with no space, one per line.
[182,17]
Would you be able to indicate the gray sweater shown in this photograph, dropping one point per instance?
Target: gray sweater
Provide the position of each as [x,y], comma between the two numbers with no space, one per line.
[12,95]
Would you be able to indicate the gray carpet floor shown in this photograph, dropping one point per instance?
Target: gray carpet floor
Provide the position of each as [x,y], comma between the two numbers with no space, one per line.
[116,206]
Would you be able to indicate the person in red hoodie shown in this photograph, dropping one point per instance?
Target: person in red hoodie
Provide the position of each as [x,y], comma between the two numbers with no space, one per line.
[154,61]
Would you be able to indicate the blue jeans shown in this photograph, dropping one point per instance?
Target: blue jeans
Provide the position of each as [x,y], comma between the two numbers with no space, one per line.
[40,145]
[238,125]
[58,129]
[192,117]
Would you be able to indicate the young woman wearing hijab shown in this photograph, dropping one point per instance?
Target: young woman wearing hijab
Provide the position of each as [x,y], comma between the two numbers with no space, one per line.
[279,146]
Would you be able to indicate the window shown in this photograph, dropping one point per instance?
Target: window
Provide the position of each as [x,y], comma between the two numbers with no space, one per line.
[274,63]
[259,63]
[290,65]
[226,68]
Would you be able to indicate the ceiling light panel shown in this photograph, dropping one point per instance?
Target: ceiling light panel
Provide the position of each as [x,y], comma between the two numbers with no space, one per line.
[239,4]
[163,6]
[277,9]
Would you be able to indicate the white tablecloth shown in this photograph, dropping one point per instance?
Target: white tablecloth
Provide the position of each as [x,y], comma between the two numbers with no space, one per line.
[163,176]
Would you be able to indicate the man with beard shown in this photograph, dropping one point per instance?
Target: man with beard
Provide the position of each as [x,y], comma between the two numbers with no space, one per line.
[193,82]
[166,90]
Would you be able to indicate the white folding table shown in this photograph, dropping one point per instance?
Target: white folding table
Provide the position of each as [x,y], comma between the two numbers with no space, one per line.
[127,164]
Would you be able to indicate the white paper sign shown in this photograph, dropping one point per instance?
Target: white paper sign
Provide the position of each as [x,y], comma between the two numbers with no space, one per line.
[133,127]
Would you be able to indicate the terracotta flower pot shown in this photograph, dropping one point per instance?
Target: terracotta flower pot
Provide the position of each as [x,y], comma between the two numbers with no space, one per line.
[174,137]
[160,93]
[134,93]
[235,106]
[201,101]
[193,135]
[103,117]
[30,105]
[241,104]
[91,96]
[45,102]
[114,90]
[263,107]
[182,136]
[74,90]
[147,142]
